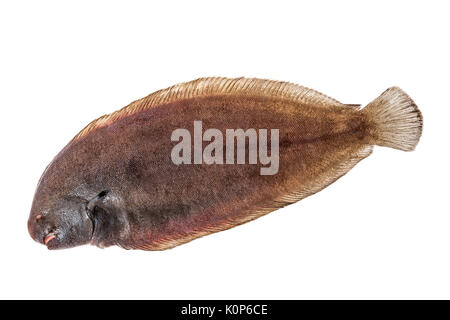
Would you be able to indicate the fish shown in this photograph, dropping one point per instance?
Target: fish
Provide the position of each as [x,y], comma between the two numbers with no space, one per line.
[205,156]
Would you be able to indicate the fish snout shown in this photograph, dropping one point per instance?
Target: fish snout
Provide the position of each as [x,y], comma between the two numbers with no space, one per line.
[33,227]
[49,237]
[41,231]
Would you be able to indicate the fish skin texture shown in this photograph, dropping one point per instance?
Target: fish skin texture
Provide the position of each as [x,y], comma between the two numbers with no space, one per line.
[150,203]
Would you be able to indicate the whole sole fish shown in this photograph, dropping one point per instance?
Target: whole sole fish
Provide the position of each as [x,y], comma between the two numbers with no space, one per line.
[204,156]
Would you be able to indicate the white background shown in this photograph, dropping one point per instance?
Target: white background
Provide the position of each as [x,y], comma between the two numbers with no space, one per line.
[382,231]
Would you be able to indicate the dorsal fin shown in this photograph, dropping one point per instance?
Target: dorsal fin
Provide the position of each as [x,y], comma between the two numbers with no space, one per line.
[205,87]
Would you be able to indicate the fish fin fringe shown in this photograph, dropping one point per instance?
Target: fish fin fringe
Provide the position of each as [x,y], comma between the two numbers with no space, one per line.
[394,120]
[324,179]
[215,86]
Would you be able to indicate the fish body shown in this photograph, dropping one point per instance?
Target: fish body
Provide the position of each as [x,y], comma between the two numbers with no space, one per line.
[117,183]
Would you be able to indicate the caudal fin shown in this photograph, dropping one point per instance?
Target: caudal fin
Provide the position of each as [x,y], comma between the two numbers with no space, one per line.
[394,120]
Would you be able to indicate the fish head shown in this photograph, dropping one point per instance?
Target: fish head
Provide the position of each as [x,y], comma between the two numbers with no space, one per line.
[60,222]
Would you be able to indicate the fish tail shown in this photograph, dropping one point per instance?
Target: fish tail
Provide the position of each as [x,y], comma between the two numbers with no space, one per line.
[394,120]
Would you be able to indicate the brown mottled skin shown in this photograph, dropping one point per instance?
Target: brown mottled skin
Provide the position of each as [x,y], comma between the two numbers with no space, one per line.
[150,203]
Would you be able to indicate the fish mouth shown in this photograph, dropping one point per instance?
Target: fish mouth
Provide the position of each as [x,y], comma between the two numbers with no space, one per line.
[49,237]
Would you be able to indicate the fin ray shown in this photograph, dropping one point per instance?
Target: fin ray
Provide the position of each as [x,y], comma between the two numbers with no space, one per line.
[395,121]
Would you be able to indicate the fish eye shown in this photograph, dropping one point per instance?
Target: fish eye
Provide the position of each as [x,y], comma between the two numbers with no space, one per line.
[102,194]
[90,206]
